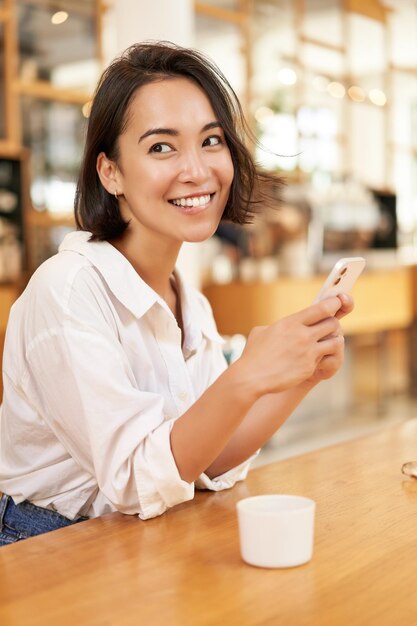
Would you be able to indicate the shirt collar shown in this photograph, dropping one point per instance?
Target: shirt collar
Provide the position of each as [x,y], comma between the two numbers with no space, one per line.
[136,295]
[118,273]
[197,317]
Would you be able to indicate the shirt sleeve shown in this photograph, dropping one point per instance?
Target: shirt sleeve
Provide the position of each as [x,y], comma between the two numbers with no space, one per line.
[217,366]
[228,479]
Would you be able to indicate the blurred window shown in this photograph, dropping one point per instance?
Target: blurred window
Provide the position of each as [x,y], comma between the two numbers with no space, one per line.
[57,43]
[323,20]
[222,42]
[54,132]
[275,76]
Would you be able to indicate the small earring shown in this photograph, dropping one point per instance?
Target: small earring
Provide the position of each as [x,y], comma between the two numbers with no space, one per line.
[115,195]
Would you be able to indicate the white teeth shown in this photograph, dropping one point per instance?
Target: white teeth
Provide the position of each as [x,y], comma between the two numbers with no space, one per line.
[192,202]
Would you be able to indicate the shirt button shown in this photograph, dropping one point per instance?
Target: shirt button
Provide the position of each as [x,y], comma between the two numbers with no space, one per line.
[183,395]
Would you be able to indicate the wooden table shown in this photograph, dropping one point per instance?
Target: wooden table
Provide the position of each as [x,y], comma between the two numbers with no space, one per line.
[184,568]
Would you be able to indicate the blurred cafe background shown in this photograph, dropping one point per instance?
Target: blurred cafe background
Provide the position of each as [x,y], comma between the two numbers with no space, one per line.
[329,88]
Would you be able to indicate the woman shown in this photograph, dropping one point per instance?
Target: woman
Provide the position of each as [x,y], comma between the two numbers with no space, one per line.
[116,391]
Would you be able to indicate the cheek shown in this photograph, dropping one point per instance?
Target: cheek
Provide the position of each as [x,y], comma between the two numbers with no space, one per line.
[227,172]
[146,181]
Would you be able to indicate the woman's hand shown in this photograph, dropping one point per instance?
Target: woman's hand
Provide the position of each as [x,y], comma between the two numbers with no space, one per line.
[329,364]
[289,352]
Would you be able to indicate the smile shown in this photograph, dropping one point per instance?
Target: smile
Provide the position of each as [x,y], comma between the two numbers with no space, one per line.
[195,201]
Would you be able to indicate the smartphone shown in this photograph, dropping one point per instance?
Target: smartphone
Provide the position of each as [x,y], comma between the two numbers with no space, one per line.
[342,277]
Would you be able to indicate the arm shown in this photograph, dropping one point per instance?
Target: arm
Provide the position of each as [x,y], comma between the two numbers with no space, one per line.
[263,419]
[243,408]
[272,410]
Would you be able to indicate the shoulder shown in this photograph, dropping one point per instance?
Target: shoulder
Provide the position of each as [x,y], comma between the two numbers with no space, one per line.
[62,287]
[55,278]
[42,309]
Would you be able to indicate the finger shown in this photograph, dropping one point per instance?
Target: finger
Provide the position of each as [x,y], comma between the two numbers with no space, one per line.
[326,328]
[336,334]
[328,366]
[331,346]
[319,311]
[256,331]
[347,305]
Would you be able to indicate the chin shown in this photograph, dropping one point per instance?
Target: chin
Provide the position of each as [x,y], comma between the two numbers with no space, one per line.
[200,234]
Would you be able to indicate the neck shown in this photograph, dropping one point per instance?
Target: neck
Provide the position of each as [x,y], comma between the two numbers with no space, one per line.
[153,261]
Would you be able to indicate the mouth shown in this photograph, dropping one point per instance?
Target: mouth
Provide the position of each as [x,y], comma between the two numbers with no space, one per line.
[192,204]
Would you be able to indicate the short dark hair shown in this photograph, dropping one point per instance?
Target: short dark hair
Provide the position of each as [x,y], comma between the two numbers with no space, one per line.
[96,210]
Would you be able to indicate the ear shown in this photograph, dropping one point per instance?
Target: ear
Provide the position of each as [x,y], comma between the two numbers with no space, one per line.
[108,173]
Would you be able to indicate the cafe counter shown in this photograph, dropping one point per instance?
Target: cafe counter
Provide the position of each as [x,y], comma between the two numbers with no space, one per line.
[384,300]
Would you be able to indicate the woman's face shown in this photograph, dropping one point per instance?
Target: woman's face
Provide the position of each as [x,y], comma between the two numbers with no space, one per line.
[174,169]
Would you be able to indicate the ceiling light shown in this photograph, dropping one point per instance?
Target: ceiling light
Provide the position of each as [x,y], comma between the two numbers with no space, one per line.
[336,90]
[356,93]
[287,76]
[377,97]
[86,108]
[59,17]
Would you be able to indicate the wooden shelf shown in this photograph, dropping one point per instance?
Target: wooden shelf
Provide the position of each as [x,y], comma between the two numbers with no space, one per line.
[46,91]
[48,220]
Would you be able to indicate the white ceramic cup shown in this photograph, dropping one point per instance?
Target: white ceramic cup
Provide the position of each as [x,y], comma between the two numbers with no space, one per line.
[276,530]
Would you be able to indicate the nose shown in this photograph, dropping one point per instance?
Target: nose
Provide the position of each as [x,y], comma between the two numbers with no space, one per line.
[194,167]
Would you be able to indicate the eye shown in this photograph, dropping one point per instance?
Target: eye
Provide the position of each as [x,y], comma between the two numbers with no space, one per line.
[160,148]
[213,140]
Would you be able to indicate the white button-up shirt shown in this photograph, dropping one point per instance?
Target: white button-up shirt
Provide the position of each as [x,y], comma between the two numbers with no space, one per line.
[94,378]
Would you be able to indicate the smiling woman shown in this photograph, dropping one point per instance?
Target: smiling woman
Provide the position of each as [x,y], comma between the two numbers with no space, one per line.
[117,395]
[115,103]
[173,180]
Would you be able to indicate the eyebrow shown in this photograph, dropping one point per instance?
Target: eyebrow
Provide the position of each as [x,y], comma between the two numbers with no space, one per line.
[174,133]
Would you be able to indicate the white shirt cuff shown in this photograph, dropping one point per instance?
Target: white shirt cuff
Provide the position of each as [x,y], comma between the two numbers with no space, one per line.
[228,479]
[159,483]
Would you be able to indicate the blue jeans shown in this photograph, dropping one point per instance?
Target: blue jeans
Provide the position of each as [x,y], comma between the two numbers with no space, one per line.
[20,521]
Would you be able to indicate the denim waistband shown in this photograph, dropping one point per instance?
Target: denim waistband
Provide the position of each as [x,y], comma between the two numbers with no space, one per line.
[20,521]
